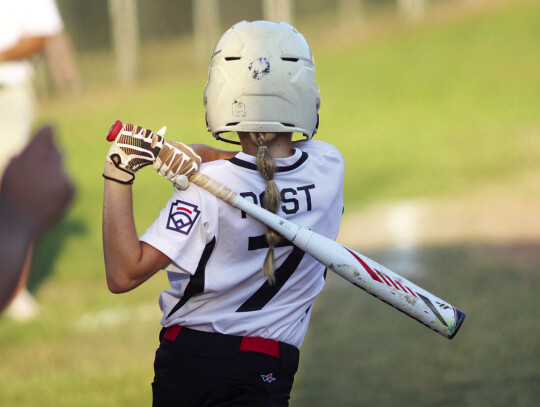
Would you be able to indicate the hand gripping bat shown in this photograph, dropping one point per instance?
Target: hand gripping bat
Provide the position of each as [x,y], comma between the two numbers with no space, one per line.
[354,267]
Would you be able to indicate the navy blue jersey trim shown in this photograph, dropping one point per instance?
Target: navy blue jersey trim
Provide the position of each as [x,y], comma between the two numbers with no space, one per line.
[268,291]
[196,282]
[251,166]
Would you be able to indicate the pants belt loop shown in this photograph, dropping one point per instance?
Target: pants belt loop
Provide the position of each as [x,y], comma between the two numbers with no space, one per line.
[261,345]
[172,332]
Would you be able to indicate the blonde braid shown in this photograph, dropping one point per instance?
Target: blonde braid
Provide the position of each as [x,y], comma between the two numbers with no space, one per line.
[272,199]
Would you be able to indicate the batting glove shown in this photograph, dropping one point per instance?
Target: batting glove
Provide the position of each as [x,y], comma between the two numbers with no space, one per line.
[133,148]
[177,162]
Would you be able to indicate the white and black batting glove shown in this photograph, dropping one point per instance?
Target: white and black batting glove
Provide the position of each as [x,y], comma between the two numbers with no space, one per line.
[133,148]
[177,162]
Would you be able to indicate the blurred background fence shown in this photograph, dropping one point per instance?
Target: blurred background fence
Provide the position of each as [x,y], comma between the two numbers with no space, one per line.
[121,32]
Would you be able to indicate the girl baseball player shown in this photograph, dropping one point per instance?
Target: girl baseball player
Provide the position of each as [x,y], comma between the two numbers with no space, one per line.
[241,296]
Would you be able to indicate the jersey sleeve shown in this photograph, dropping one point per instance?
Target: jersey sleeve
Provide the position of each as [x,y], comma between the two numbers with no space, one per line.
[183,229]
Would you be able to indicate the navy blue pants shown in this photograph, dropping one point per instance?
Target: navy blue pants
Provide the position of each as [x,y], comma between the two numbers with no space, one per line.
[195,368]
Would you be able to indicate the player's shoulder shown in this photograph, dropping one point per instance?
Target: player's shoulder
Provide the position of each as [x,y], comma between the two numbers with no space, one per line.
[320,149]
[215,168]
[224,172]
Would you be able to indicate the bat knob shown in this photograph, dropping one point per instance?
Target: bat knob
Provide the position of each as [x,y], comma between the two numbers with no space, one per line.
[115,130]
[460,317]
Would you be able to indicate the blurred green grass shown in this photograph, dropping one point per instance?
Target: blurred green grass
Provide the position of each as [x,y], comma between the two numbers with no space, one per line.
[425,111]
[359,352]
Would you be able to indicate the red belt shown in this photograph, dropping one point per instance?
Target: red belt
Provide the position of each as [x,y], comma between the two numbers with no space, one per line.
[247,344]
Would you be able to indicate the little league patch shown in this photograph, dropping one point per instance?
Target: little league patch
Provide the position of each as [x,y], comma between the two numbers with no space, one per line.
[182,217]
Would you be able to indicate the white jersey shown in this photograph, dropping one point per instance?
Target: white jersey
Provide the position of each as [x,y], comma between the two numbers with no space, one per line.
[20,19]
[217,251]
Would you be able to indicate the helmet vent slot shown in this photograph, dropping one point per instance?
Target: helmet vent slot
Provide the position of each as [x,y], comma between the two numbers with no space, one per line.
[232,124]
[232,58]
[288,125]
[290,59]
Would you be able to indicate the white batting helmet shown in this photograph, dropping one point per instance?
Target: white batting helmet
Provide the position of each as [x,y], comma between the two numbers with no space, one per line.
[262,79]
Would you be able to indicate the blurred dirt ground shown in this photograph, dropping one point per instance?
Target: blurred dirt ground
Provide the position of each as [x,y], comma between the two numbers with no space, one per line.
[505,212]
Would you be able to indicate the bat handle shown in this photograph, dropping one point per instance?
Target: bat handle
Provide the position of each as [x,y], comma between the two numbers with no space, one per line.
[214,187]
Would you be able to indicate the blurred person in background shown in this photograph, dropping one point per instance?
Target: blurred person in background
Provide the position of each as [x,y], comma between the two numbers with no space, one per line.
[35,192]
[25,27]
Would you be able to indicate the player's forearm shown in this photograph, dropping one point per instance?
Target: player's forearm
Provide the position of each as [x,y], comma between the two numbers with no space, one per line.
[121,246]
[23,49]
[129,262]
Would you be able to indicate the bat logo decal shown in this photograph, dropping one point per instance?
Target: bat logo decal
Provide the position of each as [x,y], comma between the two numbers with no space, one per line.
[433,309]
[383,278]
[182,217]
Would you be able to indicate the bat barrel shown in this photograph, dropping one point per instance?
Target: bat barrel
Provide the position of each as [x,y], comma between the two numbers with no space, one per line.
[397,291]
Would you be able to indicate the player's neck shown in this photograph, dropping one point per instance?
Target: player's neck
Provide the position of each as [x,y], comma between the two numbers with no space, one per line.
[279,147]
